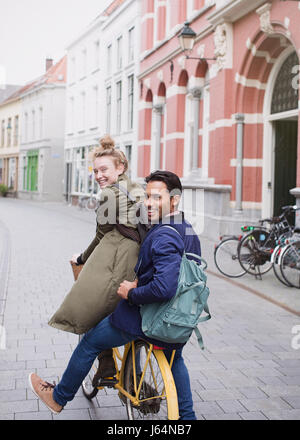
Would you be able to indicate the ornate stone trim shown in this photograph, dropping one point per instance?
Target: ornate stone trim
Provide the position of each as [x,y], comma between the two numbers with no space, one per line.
[220,40]
[264,13]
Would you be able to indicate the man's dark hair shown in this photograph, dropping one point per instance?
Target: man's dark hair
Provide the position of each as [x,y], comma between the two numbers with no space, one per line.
[171,180]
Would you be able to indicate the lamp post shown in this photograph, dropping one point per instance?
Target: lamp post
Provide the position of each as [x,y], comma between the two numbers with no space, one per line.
[187,38]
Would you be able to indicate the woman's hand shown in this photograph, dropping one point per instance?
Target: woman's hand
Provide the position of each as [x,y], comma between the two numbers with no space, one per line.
[74,258]
[125,287]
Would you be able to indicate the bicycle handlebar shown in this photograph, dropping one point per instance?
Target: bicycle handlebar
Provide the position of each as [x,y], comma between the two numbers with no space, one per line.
[290,208]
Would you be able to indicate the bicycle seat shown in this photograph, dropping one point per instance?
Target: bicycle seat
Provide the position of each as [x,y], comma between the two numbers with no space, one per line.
[297,230]
[266,220]
[275,220]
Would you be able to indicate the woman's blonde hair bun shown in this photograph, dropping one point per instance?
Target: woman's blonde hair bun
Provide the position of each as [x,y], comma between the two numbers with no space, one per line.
[107,143]
[107,148]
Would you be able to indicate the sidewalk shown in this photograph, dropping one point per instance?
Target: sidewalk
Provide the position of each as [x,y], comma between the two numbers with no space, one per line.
[268,287]
[248,370]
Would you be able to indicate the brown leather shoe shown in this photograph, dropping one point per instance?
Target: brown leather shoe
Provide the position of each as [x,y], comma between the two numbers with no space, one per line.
[44,391]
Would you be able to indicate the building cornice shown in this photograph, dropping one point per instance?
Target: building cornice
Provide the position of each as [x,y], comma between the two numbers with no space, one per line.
[102,21]
[10,102]
[171,55]
[234,10]
[41,87]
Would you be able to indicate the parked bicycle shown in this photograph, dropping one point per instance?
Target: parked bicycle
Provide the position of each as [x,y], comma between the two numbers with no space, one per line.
[255,248]
[258,250]
[226,257]
[289,261]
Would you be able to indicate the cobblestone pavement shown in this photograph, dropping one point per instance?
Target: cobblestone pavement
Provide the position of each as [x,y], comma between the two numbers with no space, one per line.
[248,369]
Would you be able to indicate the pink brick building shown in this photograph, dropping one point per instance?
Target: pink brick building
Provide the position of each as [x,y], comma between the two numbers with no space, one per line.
[228,127]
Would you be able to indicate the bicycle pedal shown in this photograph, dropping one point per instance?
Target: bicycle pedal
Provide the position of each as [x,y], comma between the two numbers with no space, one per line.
[107,382]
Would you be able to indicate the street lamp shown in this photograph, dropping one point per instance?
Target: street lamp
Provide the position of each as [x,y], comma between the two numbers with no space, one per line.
[187,39]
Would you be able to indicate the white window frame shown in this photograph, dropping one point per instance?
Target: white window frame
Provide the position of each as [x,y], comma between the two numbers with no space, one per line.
[130,113]
[119,87]
[108,108]
[109,60]
[131,52]
[96,54]
[119,53]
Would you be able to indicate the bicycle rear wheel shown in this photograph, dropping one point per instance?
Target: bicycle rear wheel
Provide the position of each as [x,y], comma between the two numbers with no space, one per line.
[290,264]
[226,258]
[254,252]
[158,396]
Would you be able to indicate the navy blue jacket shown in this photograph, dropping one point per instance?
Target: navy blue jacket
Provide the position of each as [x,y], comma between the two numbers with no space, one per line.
[157,271]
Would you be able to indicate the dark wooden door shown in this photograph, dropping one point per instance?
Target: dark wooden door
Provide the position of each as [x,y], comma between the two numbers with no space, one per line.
[285,163]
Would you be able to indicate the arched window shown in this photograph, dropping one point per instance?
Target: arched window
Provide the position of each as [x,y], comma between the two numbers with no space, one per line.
[286,89]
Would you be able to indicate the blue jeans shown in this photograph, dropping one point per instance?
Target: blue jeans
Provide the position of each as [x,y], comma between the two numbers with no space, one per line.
[105,336]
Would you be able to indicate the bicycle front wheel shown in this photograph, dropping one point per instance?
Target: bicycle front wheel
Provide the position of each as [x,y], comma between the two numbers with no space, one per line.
[226,258]
[157,398]
[254,252]
[290,264]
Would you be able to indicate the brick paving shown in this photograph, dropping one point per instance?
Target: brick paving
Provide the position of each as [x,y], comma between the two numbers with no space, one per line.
[248,370]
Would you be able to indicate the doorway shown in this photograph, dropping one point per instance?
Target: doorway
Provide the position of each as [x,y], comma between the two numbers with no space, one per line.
[285,167]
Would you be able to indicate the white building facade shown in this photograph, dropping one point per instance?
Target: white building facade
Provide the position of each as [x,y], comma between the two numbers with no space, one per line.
[102,93]
[41,159]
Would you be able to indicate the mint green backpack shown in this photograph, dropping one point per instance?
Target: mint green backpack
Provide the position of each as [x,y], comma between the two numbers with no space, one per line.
[175,320]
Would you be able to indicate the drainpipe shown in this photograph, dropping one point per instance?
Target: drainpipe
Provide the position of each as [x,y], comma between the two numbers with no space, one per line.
[240,118]
[158,109]
[196,92]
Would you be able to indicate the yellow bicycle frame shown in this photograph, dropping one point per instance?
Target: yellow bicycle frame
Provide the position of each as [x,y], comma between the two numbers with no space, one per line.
[165,368]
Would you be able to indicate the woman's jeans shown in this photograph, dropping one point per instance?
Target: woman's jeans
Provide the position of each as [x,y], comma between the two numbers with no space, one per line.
[105,336]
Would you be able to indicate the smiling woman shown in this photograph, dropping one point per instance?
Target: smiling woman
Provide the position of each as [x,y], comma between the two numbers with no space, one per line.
[112,255]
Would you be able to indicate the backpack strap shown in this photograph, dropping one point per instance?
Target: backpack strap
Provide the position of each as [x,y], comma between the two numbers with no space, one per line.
[188,253]
[201,259]
[123,190]
[199,338]
[174,229]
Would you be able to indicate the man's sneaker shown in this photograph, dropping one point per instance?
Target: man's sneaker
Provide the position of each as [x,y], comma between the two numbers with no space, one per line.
[44,391]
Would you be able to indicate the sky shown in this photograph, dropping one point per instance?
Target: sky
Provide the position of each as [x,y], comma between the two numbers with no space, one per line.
[32,30]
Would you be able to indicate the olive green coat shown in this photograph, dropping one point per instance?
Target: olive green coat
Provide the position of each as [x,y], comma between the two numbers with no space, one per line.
[109,260]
